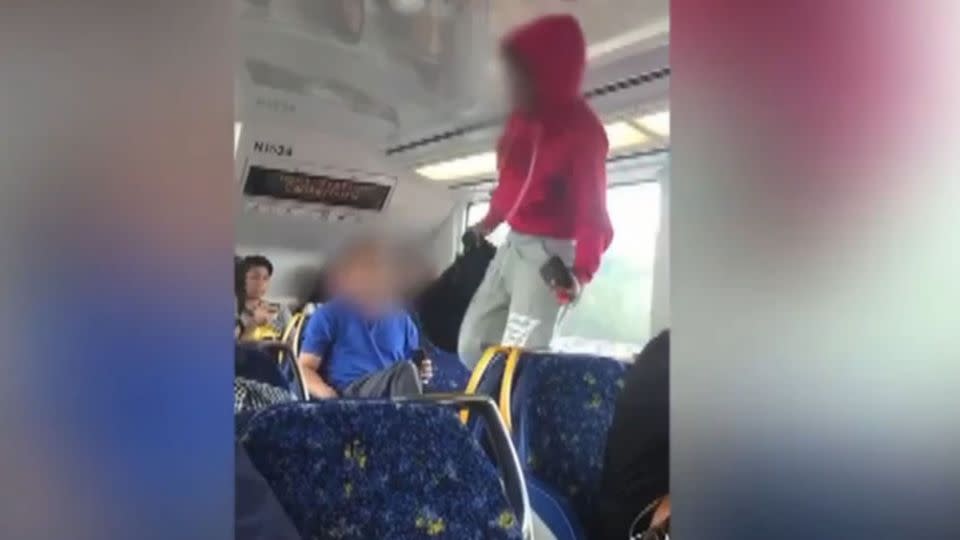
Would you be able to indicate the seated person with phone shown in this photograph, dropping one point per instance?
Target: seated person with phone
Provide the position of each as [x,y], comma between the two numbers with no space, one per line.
[261,321]
[258,319]
[362,343]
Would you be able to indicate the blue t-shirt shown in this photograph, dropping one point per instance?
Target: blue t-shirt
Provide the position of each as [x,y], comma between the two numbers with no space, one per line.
[353,346]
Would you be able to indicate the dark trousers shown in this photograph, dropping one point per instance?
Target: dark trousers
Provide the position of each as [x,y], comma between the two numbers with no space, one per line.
[400,379]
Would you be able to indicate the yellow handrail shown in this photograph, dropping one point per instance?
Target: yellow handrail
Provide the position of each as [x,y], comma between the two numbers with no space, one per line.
[506,386]
[293,325]
[295,345]
[506,382]
[477,374]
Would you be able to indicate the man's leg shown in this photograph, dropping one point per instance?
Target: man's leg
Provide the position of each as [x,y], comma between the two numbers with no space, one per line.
[404,380]
[400,379]
[534,307]
[486,316]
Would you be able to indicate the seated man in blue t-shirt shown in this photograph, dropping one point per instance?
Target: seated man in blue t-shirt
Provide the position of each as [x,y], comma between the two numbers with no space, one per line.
[361,344]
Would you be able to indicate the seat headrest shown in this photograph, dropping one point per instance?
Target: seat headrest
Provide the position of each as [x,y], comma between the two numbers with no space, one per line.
[378,469]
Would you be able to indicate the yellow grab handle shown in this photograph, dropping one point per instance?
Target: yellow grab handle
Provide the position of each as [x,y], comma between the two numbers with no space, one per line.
[294,324]
[506,386]
[295,345]
[477,374]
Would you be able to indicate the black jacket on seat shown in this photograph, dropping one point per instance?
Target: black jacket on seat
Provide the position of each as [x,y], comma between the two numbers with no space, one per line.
[636,466]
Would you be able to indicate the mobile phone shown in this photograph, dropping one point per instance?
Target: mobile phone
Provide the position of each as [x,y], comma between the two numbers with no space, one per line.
[417,358]
[556,274]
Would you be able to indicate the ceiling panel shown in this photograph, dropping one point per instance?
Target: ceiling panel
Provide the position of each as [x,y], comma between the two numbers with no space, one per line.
[389,70]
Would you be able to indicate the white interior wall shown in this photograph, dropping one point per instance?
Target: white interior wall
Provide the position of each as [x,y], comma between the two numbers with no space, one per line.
[295,273]
[440,246]
[415,206]
[445,241]
[297,245]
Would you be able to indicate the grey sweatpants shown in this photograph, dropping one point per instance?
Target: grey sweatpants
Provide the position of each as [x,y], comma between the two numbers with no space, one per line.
[513,305]
[399,380]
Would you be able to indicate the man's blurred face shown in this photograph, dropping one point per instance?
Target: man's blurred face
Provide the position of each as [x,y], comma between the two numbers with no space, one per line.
[368,277]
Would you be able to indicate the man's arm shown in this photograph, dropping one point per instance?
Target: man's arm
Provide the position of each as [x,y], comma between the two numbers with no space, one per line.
[593,229]
[317,339]
[309,365]
[247,326]
[661,514]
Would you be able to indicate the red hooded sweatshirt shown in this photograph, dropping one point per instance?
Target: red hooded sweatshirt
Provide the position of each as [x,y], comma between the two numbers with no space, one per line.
[559,144]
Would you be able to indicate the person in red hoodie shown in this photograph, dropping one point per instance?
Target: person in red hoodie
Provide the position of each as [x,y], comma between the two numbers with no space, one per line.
[551,191]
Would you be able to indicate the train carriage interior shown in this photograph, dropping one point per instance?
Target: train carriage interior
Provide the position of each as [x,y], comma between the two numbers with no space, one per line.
[355,116]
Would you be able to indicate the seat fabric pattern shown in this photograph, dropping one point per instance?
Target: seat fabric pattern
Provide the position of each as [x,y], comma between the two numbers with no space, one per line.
[369,469]
[562,408]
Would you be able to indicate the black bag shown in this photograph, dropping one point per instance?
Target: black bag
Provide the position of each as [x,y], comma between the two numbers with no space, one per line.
[441,306]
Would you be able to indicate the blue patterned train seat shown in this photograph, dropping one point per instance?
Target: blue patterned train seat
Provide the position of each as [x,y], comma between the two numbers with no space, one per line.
[449,373]
[367,469]
[562,407]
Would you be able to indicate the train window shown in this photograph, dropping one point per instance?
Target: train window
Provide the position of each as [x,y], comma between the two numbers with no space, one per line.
[613,316]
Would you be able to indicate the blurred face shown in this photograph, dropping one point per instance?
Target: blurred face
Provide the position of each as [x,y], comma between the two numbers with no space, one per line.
[368,278]
[519,87]
[257,282]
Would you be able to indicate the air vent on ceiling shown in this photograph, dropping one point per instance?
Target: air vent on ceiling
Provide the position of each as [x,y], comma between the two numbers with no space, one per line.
[607,89]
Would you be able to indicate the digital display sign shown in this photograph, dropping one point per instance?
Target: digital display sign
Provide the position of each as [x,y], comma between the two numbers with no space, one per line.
[319,189]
